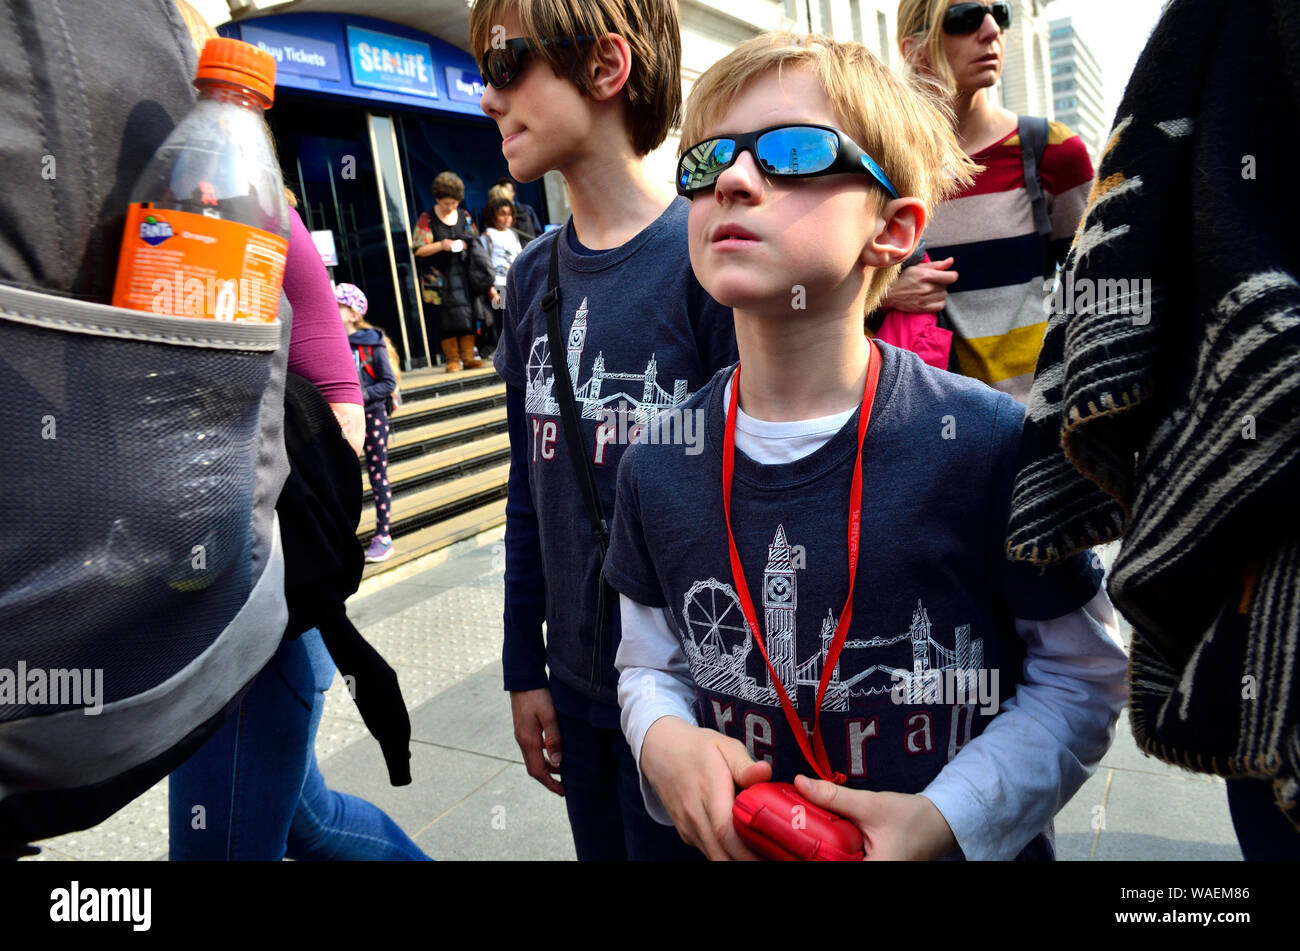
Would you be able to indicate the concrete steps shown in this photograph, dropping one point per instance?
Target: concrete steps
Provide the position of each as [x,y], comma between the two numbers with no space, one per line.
[448,460]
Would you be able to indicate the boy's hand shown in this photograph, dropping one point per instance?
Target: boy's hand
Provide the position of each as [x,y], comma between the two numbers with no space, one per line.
[921,288]
[537,731]
[695,771]
[895,826]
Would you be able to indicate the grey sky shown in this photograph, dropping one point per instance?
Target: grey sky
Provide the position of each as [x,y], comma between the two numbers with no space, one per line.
[1115,31]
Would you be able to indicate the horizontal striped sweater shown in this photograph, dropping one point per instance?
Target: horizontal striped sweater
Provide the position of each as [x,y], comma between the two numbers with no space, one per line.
[997,304]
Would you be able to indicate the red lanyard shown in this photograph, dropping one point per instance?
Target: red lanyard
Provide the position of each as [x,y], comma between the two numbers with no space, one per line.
[815,754]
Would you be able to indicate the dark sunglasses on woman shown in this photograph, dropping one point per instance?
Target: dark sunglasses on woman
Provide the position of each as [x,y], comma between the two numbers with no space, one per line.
[963,18]
[500,66]
[782,151]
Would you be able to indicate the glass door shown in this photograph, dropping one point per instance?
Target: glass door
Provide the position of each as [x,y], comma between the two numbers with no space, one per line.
[397,226]
[338,185]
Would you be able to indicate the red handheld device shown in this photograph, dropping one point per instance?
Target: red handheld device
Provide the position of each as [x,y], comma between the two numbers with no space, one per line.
[781,825]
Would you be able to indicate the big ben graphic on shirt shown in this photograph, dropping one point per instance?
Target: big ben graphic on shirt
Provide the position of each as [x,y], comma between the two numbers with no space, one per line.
[718,645]
[638,395]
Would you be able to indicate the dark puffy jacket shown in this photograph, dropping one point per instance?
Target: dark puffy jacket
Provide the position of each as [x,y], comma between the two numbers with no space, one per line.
[461,306]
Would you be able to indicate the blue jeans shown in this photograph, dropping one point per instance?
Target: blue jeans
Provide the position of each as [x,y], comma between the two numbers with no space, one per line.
[253,792]
[602,793]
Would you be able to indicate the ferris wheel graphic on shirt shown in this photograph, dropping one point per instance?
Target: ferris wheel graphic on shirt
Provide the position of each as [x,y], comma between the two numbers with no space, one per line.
[717,642]
[643,399]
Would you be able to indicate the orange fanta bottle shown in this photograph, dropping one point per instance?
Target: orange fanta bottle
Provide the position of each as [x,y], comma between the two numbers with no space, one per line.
[207,229]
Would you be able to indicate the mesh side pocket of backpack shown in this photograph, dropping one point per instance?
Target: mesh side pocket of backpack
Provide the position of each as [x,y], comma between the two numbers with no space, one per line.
[131,449]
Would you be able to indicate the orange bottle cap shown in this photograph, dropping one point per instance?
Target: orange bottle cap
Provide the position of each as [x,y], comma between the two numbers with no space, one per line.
[234,61]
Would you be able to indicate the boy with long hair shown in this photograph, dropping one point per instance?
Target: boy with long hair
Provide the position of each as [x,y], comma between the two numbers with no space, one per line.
[587,88]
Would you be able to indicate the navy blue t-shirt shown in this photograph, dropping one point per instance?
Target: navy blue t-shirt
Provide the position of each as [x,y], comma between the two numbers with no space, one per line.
[641,336]
[934,593]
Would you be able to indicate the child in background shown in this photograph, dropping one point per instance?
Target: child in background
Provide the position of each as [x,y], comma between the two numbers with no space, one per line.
[503,242]
[745,544]
[378,380]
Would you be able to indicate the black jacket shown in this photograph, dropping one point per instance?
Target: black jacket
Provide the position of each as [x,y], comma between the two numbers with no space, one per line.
[461,304]
[319,508]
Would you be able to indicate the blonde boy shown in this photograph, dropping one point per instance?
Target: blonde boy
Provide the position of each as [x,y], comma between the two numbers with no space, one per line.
[930,752]
[587,88]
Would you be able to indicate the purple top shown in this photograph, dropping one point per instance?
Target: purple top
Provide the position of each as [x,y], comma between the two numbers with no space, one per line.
[318,342]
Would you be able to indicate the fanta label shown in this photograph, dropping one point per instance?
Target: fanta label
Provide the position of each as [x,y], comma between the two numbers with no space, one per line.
[188,265]
[154,232]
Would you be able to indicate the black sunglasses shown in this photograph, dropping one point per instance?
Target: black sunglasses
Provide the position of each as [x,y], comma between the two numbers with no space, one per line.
[502,64]
[964,18]
[782,151]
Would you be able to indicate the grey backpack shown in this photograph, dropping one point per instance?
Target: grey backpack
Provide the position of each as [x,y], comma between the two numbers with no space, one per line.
[141,575]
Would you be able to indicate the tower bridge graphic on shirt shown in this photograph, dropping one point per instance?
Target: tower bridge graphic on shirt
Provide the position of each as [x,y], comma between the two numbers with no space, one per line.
[639,395]
[717,644]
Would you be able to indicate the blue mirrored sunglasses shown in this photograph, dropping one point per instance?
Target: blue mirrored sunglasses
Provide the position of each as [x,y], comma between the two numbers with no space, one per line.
[783,151]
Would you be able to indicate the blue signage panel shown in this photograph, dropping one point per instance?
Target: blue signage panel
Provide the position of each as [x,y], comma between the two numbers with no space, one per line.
[464,85]
[386,62]
[394,63]
[295,54]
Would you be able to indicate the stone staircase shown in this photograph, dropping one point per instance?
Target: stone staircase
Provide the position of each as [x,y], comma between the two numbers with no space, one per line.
[448,459]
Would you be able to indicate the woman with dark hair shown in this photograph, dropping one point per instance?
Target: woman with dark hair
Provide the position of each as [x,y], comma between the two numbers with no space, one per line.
[526,220]
[503,241]
[445,243]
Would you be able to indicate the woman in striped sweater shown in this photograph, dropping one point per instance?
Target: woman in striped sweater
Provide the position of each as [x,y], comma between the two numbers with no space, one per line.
[990,268]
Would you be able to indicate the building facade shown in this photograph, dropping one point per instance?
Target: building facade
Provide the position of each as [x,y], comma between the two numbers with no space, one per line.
[1077,86]
[1026,83]
[1025,87]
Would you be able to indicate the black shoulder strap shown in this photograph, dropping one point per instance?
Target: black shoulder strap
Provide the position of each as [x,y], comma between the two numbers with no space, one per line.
[576,445]
[1033,142]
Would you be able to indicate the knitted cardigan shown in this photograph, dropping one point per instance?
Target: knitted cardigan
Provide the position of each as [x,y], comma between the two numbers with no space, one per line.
[1166,404]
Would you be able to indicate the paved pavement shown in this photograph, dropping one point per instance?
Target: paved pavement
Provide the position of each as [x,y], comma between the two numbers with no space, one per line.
[440,628]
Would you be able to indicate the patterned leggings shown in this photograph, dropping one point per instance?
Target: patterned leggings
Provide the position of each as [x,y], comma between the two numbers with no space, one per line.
[377,465]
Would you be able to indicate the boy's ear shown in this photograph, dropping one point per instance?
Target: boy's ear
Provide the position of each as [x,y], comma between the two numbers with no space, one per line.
[905,220]
[610,66]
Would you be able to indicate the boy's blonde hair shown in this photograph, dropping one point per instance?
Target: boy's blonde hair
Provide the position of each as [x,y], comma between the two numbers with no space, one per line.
[651,28]
[904,125]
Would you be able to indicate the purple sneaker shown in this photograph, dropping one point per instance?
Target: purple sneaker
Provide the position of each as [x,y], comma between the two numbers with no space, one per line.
[380,548]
